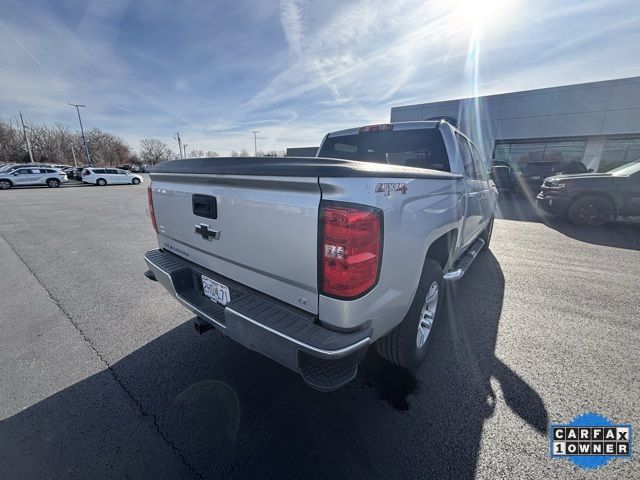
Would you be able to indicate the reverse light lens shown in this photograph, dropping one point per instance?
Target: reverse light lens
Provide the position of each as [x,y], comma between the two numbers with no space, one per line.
[351,249]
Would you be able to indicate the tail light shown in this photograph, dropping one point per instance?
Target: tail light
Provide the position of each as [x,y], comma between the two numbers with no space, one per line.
[152,213]
[350,249]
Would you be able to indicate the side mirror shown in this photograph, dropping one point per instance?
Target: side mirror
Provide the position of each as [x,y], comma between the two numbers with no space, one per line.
[16,174]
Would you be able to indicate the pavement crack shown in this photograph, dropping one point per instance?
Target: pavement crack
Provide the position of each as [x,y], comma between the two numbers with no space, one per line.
[108,366]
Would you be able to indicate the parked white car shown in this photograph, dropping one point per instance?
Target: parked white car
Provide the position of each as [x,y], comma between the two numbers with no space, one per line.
[114,176]
[32,176]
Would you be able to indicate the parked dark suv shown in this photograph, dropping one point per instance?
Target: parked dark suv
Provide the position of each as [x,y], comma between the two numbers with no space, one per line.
[593,198]
[532,174]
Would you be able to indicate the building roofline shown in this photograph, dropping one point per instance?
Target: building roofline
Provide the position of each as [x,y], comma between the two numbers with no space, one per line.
[540,90]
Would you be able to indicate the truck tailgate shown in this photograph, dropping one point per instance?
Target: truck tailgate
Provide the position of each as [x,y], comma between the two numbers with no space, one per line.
[266,226]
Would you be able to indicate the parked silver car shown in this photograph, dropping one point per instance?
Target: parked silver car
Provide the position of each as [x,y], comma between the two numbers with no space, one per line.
[32,176]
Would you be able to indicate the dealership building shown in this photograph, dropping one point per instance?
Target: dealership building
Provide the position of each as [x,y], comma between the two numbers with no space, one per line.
[596,123]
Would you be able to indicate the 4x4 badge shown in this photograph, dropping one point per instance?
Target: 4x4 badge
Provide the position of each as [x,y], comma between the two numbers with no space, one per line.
[387,188]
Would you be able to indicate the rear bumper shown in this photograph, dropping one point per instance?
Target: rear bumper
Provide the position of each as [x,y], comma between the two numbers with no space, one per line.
[326,359]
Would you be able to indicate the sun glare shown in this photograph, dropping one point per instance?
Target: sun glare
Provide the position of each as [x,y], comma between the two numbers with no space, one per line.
[481,11]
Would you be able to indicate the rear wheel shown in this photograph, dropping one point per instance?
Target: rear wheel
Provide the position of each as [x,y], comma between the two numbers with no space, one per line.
[406,345]
[590,210]
[101,181]
[53,183]
[135,181]
[5,184]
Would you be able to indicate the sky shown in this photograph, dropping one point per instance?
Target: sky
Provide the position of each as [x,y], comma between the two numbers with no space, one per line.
[292,69]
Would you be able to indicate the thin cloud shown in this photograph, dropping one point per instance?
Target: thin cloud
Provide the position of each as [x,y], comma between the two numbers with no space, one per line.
[294,69]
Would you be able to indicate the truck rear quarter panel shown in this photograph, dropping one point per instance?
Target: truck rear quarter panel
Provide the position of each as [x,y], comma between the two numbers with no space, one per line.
[414,216]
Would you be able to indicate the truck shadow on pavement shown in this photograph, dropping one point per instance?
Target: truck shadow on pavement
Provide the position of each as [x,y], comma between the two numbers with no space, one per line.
[188,406]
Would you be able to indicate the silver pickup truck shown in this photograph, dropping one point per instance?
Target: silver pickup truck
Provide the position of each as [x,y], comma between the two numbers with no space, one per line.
[309,261]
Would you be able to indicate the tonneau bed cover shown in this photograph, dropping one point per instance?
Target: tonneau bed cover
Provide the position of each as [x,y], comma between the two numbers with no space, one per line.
[295,167]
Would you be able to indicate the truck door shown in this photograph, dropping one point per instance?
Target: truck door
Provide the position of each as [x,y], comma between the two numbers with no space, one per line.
[482,172]
[475,191]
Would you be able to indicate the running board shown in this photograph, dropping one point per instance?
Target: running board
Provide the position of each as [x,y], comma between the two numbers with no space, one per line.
[465,261]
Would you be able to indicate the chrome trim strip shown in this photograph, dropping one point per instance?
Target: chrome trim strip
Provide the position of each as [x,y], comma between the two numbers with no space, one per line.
[473,253]
[454,275]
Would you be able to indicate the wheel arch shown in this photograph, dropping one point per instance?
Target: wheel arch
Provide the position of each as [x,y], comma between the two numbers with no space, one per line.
[442,248]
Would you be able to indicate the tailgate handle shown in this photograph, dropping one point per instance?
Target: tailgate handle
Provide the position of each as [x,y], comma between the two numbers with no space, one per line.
[204,206]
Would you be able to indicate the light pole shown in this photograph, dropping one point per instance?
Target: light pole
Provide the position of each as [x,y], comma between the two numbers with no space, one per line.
[185,150]
[26,138]
[255,142]
[84,139]
[73,152]
[177,137]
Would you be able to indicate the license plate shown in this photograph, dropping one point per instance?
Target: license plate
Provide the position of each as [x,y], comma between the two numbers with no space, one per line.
[216,291]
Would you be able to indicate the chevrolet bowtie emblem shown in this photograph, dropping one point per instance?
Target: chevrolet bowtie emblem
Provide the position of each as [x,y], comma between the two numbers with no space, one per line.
[206,233]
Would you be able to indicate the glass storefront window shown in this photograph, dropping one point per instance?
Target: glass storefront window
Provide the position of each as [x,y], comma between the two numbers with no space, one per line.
[501,153]
[522,153]
[564,151]
[519,154]
[618,151]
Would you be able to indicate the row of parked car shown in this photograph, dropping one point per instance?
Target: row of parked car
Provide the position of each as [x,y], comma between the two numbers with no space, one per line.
[13,175]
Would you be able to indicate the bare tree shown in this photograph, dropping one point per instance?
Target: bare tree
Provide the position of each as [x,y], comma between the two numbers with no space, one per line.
[12,146]
[234,153]
[272,153]
[153,151]
[107,149]
[211,153]
[196,154]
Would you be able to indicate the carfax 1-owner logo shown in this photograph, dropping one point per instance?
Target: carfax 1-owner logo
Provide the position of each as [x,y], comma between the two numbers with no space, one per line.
[590,440]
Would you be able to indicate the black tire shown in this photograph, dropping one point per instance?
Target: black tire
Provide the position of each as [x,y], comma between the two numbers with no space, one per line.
[101,182]
[590,210]
[487,233]
[53,183]
[5,184]
[400,345]
[135,181]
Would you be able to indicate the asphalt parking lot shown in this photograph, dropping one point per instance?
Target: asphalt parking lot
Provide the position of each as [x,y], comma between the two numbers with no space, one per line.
[103,376]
